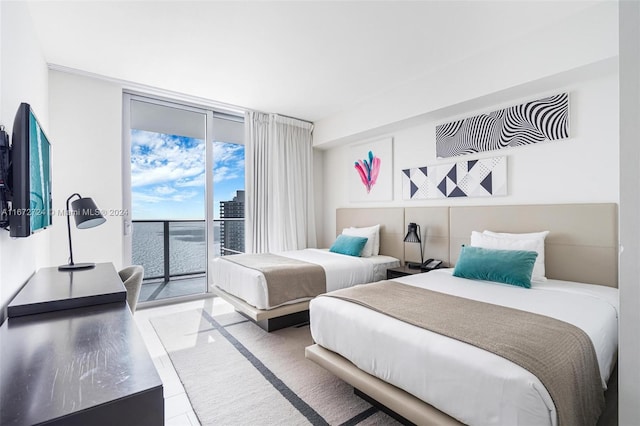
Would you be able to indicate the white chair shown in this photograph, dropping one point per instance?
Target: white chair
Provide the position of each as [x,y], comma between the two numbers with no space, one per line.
[131,277]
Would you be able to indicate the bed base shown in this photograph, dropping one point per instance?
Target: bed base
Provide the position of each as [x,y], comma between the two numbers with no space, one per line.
[382,408]
[271,319]
[394,399]
[277,323]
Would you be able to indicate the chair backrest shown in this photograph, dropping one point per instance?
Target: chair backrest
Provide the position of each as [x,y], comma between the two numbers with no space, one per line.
[131,277]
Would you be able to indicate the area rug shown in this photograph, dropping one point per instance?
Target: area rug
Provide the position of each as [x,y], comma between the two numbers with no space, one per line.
[235,373]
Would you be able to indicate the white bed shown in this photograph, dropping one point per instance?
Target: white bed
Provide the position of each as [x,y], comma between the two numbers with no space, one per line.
[430,379]
[341,271]
[245,288]
[465,382]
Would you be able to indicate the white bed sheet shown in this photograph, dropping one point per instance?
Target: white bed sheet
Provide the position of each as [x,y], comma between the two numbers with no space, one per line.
[341,271]
[468,383]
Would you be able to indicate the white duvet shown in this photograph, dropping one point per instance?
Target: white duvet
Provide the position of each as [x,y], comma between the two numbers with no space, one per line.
[341,271]
[468,383]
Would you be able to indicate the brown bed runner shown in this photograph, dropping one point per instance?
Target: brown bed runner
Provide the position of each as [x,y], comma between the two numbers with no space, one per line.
[287,279]
[560,354]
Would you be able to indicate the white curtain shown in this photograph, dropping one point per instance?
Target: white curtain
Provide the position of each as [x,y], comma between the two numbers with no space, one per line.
[279,206]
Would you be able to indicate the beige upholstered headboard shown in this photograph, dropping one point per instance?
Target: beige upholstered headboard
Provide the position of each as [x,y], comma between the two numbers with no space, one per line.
[391,220]
[582,244]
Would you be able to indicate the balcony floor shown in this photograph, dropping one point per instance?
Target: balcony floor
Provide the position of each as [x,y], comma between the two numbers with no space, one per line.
[160,289]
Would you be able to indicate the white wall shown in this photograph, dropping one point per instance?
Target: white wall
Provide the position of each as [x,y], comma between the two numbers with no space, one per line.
[86,130]
[583,168]
[23,73]
[629,353]
[585,38]
[577,54]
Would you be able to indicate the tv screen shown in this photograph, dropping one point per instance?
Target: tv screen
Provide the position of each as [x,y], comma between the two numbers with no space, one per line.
[31,208]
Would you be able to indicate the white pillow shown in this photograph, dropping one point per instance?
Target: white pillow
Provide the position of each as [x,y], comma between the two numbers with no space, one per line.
[369,234]
[376,243]
[539,237]
[542,234]
[492,240]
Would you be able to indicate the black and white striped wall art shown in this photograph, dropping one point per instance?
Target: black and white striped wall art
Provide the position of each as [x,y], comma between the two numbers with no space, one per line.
[545,119]
[486,177]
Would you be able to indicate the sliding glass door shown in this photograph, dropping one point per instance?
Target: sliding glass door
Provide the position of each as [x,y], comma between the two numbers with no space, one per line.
[183,164]
[228,182]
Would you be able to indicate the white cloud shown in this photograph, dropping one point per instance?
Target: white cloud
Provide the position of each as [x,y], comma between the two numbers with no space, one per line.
[196,181]
[223,173]
[166,174]
[164,190]
[172,161]
[226,152]
[229,161]
[163,159]
[141,197]
[170,169]
[183,196]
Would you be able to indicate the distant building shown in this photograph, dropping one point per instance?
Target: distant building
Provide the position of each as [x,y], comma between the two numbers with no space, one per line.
[232,231]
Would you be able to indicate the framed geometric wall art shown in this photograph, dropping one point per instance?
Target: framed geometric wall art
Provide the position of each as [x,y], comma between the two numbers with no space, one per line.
[486,177]
[371,171]
[544,119]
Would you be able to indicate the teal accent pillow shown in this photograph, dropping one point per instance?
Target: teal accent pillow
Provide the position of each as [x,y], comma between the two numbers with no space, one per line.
[504,266]
[347,244]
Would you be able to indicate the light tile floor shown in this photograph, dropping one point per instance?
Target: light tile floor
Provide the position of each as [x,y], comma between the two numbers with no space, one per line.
[159,289]
[177,408]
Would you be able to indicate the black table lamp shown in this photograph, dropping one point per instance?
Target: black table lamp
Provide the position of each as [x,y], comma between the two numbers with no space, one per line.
[87,215]
[413,236]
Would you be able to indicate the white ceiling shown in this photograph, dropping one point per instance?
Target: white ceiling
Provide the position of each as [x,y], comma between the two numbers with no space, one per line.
[307,59]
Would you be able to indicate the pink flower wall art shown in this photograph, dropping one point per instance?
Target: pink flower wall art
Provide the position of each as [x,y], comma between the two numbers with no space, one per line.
[371,171]
[368,170]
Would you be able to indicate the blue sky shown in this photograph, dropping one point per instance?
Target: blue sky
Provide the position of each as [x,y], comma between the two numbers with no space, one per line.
[168,175]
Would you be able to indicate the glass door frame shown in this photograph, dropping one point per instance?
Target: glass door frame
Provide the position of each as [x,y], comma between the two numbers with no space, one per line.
[210,112]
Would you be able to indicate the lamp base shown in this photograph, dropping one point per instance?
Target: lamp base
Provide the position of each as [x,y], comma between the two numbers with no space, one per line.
[76,266]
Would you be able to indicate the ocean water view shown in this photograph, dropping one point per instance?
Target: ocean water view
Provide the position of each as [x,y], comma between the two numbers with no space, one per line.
[187,247]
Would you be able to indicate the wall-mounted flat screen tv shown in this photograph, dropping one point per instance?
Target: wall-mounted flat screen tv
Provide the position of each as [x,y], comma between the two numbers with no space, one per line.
[31,208]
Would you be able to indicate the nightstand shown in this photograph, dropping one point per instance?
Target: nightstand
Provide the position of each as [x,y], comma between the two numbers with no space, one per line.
[402,271]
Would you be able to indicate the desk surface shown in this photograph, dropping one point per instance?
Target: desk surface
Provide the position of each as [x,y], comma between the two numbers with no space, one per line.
[59,363]
[51,290]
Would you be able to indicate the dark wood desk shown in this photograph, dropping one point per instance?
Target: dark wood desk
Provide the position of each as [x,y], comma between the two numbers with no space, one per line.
[81,366]
[52,290]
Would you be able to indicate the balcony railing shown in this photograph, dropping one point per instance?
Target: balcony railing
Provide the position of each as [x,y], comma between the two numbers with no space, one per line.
[177,248]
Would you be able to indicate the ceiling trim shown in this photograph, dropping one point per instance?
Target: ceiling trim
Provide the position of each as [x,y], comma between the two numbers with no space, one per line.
[143,89]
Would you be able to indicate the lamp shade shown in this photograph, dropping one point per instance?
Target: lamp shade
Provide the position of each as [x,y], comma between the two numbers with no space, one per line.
[412,234]
[86,213]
